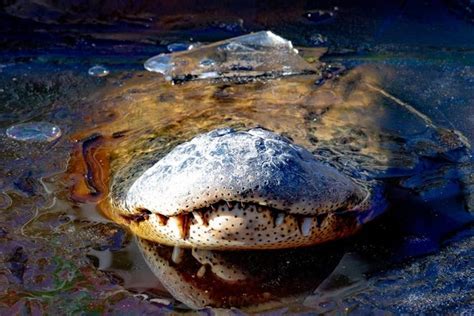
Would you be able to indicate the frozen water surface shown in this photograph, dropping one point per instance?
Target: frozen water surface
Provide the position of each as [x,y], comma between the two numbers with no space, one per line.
[258,54]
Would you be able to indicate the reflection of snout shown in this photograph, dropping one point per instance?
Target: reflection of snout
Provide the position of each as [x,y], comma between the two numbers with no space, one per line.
[239,279]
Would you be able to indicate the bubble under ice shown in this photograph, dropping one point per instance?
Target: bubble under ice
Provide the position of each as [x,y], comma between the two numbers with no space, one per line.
[34,131]
[98,71]
[178,47]
[257,54]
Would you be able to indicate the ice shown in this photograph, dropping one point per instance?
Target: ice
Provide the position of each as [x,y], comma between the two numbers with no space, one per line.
[98,71]
[253,55]
[34,131]
[162,64]
[178,47]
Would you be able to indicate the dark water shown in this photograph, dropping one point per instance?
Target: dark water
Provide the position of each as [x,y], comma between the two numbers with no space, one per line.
[59,255]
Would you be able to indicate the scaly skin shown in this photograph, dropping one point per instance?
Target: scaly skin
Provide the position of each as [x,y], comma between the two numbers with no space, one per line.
[253,189]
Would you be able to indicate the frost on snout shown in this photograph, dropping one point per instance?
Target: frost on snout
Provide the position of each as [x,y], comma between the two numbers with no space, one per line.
[232,189]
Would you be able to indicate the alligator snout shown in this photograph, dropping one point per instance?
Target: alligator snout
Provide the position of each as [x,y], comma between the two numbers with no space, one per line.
[253,189]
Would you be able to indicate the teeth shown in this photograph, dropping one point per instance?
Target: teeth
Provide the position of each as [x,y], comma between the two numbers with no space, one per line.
[306,225]
[201,271]
[199,218]
[177,255]
[213,208]
[217,265]
[228,205]
[279,219]
[181,224]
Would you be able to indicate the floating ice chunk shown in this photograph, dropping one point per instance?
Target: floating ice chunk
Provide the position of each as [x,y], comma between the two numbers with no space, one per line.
[253,55]
[162,64]
[34,131]
[98,71]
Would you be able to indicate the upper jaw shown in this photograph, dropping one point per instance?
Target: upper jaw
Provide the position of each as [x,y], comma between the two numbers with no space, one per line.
[236,226]
[229,190]
[254,166]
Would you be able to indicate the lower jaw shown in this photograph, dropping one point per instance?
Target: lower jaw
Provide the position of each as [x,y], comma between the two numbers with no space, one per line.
[272,277]
[231,229]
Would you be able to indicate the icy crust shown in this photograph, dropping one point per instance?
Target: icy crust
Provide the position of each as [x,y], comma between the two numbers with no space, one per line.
[255,166]
[253,55]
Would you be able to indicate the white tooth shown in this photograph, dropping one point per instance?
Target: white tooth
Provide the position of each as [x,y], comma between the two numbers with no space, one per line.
[201,271]
[173,223]
[228,205]
[279,219]
[177,255]
[198,218]
[177,225]
[213,208]
[217,265]
[306,225]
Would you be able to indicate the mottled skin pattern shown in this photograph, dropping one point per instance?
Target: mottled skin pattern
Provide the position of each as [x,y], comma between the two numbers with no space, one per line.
[253,189]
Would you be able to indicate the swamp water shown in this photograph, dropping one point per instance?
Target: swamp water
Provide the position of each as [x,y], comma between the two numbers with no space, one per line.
[387,112]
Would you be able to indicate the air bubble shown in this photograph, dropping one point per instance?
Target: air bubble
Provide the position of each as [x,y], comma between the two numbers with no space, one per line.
[34,131]
[178,47]
[98,71]
[207,62]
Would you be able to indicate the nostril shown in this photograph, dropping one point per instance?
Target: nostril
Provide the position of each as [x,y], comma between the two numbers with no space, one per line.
[143,211]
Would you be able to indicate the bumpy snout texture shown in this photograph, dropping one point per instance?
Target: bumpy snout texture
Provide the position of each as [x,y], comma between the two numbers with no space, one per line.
[253,189]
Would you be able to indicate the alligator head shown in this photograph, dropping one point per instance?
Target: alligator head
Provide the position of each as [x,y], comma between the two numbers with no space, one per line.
[253,189]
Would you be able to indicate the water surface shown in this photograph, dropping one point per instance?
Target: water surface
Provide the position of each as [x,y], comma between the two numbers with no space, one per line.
[61,254]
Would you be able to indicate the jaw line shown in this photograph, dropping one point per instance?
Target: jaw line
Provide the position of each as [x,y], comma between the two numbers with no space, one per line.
[243,227]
